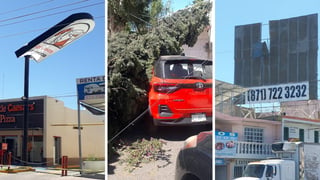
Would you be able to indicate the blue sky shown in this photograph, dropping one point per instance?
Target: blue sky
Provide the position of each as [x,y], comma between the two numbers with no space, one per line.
[230,13]
[179,4]
[23,20]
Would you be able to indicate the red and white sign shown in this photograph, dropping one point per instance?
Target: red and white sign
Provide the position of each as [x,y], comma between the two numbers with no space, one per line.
[61,39]
[57,37]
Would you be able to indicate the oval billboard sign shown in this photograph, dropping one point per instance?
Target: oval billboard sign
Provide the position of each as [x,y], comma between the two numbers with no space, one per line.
[57,37]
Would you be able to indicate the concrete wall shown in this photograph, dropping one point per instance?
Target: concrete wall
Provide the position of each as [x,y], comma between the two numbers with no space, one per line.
[303,109]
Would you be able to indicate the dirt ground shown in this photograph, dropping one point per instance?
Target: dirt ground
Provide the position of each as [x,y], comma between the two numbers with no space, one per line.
[161,169]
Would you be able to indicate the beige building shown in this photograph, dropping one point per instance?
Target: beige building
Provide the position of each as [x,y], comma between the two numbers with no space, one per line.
[52,131]
[202,48]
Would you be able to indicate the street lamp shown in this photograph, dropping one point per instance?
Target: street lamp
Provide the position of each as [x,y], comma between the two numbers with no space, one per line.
[46,44]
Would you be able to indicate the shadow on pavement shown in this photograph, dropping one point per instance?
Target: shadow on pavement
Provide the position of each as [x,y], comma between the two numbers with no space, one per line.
[112,157]
[93,176]
[141,130]
[180,133]
[171,133]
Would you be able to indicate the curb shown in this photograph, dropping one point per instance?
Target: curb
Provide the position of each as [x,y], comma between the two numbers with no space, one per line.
[10,169]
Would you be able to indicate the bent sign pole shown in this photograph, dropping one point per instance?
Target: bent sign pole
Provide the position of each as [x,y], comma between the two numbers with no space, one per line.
[46,44]
[90,90]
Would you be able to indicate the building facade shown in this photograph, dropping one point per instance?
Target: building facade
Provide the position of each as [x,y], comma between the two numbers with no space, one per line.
[52,131]
[254,139]
[257,130]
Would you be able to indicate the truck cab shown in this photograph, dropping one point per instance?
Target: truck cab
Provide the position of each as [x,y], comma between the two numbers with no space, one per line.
[295,160]
[271,169]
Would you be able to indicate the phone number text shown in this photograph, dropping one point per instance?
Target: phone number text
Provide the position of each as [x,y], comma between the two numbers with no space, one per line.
[278,93]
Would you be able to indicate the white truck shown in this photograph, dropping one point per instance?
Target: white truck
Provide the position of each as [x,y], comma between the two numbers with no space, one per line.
[294,161]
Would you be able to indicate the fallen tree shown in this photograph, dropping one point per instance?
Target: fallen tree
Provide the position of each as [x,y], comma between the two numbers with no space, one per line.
[131,55]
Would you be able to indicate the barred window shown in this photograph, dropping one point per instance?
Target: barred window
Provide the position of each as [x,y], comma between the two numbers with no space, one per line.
[253,134]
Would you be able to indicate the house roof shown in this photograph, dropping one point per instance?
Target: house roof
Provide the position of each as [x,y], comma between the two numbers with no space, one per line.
[301,120]
[234,120]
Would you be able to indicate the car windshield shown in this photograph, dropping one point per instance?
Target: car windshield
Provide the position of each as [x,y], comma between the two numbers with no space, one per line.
[254,171]
[191,69]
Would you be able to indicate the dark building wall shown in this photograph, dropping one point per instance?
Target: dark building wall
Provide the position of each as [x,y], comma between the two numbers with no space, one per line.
[292,56]
[293,51]
[247,58]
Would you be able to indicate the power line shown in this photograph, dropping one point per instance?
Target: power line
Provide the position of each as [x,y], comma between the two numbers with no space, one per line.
[25,7]
[64,96]
[31,31]
[20,33]
[30,19]
[37,12]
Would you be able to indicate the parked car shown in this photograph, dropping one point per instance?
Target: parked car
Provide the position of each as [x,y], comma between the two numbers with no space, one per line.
[194,161]
[181,91]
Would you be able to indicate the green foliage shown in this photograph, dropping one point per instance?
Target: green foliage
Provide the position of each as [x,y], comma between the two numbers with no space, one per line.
[155,11]
[129,15]
[143,151]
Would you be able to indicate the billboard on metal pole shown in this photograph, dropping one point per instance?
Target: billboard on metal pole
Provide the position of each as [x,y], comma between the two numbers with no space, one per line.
[91,92]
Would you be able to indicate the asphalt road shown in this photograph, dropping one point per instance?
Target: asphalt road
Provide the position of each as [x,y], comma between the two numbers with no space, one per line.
[162,169]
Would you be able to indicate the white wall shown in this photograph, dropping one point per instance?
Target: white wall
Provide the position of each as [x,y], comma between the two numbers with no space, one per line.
[309,127]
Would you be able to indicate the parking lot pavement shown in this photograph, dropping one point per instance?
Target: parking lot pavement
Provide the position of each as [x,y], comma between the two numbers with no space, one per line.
[36,176]
[42,173]
[164,168]
[71,173]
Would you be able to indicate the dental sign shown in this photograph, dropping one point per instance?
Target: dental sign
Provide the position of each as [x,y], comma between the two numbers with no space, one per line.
[278,93]
[59,36]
